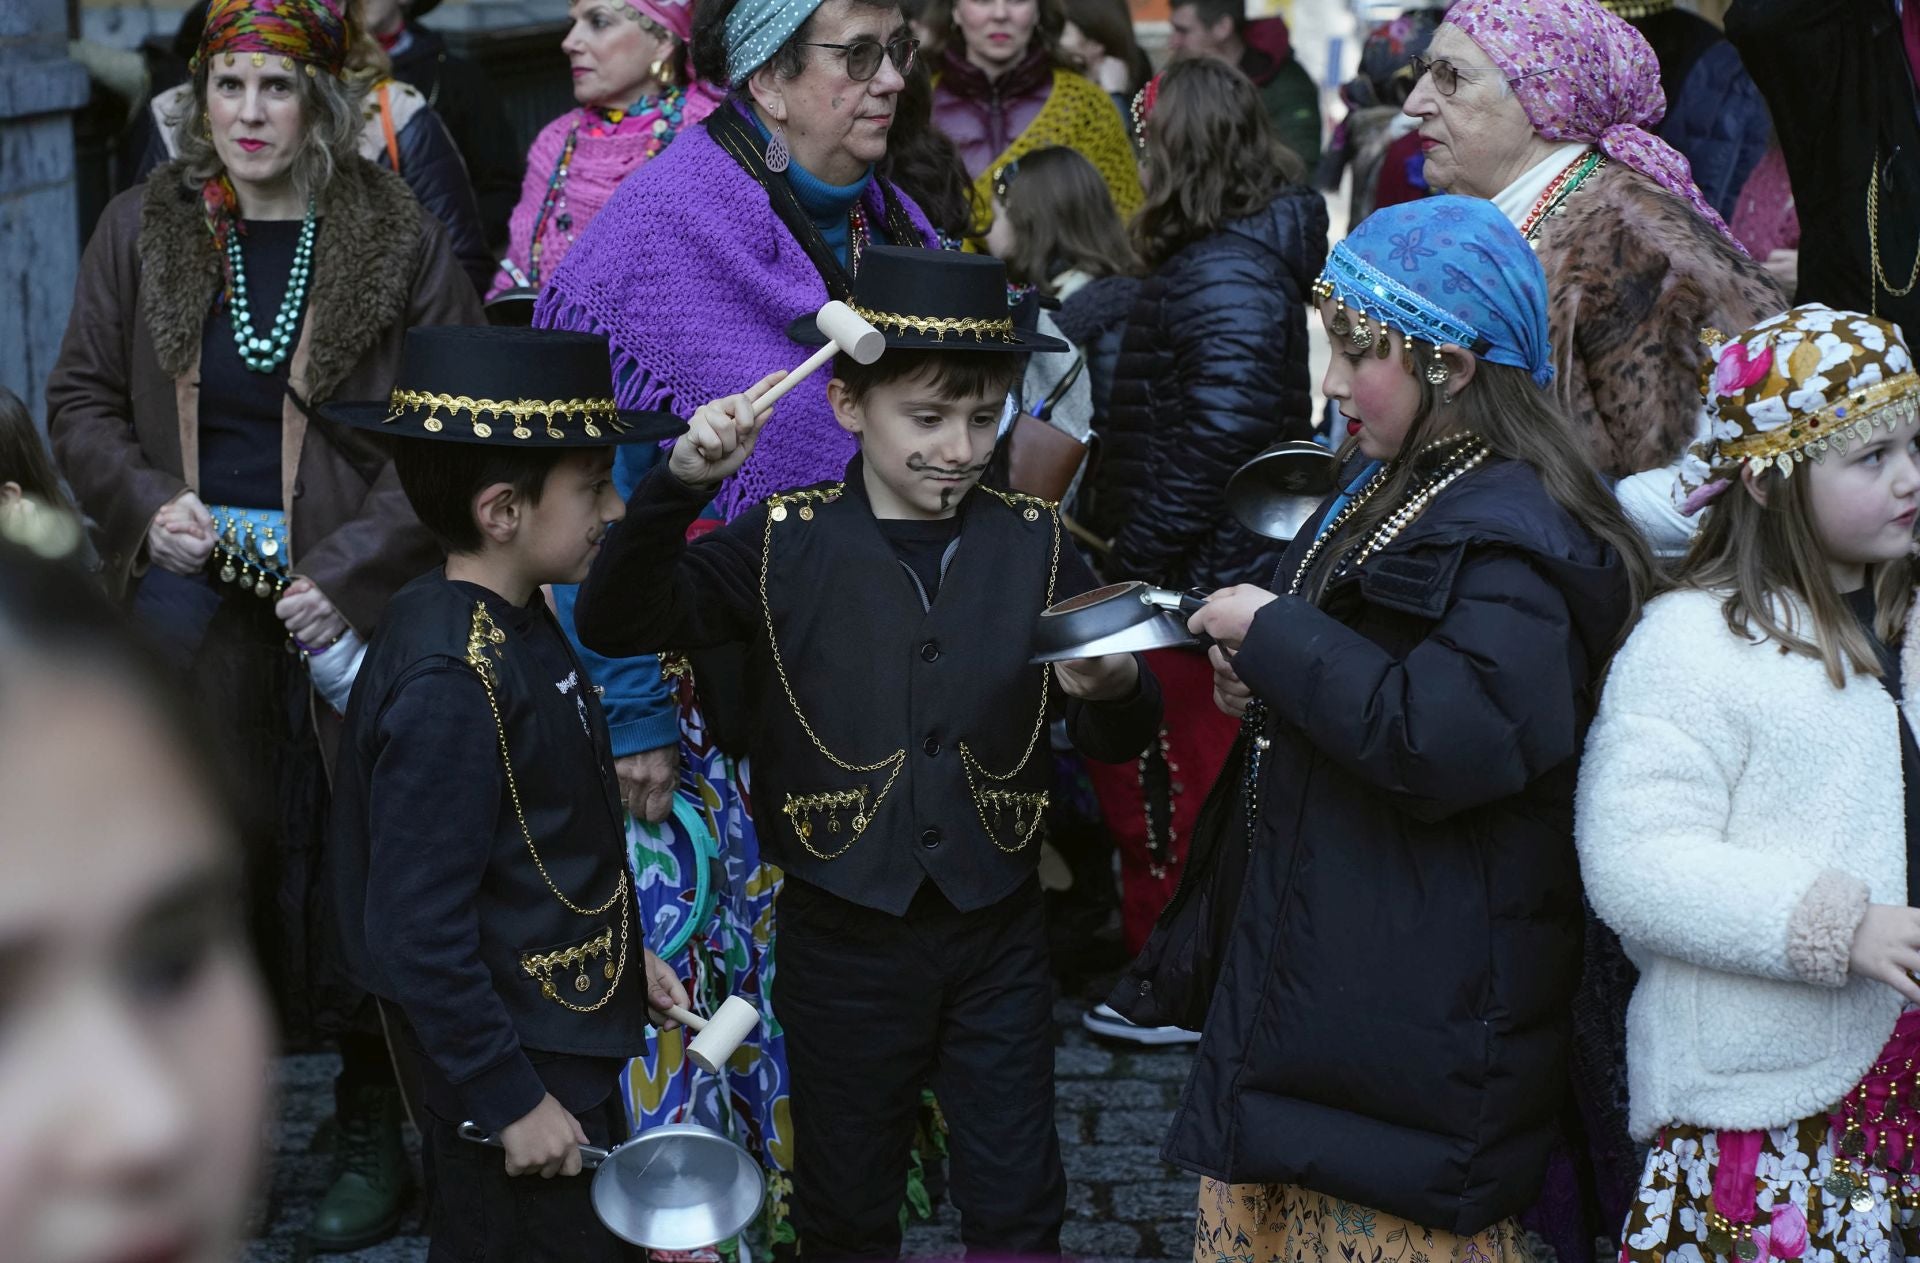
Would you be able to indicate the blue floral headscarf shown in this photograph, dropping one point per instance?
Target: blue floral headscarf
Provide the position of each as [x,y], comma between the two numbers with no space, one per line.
[1444,270]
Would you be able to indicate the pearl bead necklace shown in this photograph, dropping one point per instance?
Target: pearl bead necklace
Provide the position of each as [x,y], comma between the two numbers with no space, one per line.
[264,354]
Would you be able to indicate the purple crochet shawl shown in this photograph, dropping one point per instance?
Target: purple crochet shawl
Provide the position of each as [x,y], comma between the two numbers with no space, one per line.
[692,279]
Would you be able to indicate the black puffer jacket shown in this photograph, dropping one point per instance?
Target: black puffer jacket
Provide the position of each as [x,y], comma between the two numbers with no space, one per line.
[1387,1020]
[1212,368]
[1093,318]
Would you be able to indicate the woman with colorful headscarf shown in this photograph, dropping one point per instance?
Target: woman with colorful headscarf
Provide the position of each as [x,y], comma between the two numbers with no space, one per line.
[1544,106]
[636,93]
[1382,931]
[1004,89]
[267,269]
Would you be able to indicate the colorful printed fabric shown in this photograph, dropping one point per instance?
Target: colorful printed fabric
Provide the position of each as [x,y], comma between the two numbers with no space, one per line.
[1280,1223]
[707,900]
[310,31]
[1589,77]
[1446,270]
[1792,388]
[1795,1217]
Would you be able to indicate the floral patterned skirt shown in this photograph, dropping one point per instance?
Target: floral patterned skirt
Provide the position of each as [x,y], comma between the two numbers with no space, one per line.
[1281,1223]
[1799,1215]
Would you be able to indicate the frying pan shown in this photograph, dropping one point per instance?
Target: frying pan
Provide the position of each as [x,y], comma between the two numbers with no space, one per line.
[1119,618]
[681,1186]
[1277,491]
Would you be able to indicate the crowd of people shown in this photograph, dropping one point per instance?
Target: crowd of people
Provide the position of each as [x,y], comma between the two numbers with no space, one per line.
[444,627]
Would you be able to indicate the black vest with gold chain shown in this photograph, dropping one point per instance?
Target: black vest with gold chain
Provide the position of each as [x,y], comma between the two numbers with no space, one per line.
[894,742]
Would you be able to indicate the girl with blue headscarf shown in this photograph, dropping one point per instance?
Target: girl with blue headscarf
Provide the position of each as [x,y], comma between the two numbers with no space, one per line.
[1382,931]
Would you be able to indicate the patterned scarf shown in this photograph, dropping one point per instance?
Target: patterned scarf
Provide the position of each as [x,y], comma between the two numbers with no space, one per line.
[1590,77]
[1447,270]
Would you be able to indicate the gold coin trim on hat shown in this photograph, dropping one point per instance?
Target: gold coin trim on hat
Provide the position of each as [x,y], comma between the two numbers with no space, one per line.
[1632,9]
[591,413]
[940,326]
[1889,403]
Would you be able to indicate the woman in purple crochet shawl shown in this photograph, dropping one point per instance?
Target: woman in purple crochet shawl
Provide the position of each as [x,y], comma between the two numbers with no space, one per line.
[705,255]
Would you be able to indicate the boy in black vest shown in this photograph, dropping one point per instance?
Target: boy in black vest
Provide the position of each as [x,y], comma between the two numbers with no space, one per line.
[900,751]
[479,856]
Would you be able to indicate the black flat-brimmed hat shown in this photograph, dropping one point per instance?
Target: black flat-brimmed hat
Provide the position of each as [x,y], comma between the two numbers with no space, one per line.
[508,387]
[933,300]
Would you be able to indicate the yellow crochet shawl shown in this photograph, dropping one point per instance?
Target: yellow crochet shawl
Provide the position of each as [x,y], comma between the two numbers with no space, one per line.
[1080,116]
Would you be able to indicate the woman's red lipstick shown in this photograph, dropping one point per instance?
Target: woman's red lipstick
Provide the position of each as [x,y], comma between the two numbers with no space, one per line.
[251,146]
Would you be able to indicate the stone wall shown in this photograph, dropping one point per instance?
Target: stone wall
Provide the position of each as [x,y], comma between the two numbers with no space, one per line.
[39,249]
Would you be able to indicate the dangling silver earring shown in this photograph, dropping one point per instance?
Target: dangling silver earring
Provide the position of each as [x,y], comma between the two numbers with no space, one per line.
[777,157]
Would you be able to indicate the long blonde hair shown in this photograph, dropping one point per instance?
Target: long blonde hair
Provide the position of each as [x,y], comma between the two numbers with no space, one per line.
[1766,563]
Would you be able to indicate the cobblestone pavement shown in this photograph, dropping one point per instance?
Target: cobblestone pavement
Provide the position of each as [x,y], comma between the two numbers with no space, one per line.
[1123,1203]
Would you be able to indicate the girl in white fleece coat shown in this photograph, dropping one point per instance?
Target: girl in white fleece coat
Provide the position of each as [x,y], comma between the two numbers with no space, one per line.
[1744,821]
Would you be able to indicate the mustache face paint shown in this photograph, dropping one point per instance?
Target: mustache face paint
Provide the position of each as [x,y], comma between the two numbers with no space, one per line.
[921,465]
[965,473]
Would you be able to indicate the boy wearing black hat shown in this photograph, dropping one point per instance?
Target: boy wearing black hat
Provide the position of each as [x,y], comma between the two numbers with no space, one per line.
[900,751]
[478,854]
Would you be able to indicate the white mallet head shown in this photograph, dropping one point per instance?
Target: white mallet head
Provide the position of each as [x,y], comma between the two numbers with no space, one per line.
[849,330]
[729,1026]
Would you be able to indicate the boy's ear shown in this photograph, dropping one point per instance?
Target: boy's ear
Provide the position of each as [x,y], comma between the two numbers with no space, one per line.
[10,491]
[496,511]
[845,410]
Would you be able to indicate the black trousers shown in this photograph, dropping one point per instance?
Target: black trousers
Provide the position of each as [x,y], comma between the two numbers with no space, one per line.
[480,1214]
[876,1007]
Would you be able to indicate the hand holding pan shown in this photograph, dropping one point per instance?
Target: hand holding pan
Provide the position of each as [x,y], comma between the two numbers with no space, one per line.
[846,332]
[680,1186]
[1120,618]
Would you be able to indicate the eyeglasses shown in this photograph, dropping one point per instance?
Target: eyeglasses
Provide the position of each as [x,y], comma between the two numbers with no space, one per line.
[1446,75]
[863,55]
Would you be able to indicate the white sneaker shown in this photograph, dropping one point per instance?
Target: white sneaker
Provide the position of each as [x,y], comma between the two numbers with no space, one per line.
[1104,1022]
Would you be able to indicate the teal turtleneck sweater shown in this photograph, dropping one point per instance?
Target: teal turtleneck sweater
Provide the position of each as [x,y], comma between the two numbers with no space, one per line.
[827,205]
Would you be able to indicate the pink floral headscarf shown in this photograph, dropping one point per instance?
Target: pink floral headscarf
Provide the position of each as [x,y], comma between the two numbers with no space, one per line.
[1603,89]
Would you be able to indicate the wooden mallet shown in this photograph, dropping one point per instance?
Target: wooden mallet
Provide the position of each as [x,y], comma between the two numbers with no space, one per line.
[718,1036]
[845,331]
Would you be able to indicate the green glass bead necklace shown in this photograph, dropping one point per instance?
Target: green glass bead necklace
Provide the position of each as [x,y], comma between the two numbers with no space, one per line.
[264,354]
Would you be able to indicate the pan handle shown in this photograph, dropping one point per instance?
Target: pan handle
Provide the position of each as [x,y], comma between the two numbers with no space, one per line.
[591,1156]
[1185,604]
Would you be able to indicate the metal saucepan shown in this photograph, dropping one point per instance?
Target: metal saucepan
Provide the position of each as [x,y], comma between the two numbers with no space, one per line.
[680,1186]
[676,1187]
[1277,491]
[1120,618]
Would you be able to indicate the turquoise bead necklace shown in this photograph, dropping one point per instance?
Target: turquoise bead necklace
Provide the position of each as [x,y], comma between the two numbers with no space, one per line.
[264,354]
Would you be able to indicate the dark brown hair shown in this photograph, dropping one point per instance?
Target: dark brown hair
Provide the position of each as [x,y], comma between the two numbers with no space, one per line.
[441,479]
[1759,558]
[1109,23]
[1211,156]
[923,163]
[1517,420]
[1062,217]
[954,375]
[23,455]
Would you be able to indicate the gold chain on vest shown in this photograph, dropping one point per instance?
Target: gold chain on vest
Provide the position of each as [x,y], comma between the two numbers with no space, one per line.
[1027,808]
[1873,242]
[800,808]
[483,637]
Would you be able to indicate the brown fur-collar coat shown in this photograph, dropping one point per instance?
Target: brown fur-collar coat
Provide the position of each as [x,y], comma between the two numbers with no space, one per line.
[1633,275]
[123,399]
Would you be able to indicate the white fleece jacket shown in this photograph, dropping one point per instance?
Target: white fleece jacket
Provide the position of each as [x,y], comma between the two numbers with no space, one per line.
[1735,815]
